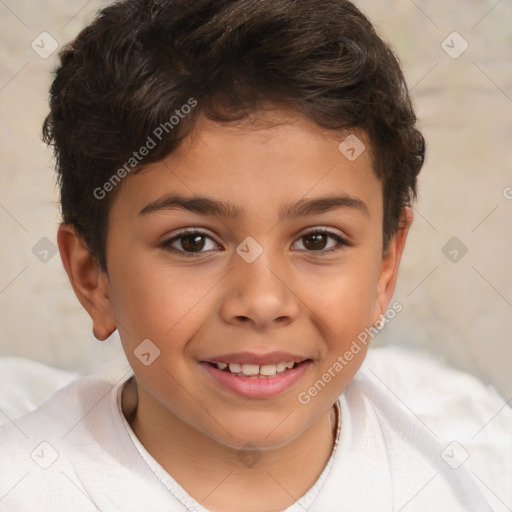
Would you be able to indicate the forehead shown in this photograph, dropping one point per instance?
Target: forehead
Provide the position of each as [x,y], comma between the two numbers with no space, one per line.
[278,132]
[274,156]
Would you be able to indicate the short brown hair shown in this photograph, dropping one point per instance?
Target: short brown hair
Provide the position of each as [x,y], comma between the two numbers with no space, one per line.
[140,61]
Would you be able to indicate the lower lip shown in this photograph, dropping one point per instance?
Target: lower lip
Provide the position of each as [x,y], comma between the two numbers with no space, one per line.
[259,387]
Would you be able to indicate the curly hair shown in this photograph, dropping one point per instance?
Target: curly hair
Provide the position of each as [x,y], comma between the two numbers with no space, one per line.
[140,61]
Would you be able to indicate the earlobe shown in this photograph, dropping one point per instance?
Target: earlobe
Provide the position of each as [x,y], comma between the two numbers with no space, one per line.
[90,283]
[390,264]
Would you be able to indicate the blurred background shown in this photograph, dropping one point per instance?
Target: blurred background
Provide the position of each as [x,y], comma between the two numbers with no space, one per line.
[456,277]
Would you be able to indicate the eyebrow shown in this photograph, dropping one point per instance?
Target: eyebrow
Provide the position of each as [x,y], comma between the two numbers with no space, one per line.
[208,206]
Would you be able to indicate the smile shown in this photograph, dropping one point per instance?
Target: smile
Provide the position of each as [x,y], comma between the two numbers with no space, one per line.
[255,381]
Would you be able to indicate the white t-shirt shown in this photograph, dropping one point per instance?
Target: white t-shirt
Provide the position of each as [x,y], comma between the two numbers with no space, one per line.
[76,452]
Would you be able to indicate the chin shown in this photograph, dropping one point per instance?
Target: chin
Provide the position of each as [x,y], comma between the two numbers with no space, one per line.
[259,431]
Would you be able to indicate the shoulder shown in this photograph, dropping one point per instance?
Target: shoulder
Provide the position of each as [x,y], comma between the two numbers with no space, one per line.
[58,409]
[40,449]
[420,470]
[467,417]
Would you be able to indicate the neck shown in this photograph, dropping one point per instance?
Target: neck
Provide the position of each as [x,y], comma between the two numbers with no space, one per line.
[225,479]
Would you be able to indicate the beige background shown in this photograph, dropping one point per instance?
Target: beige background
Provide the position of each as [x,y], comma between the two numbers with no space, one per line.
[460,312]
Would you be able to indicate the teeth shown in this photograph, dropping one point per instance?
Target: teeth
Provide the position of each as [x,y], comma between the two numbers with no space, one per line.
[250,369]
[268,369]
[254,369]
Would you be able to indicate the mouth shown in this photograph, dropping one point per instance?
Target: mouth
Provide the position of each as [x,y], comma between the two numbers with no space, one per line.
[256,377]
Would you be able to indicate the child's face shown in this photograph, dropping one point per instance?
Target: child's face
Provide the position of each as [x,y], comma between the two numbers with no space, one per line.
[296,302]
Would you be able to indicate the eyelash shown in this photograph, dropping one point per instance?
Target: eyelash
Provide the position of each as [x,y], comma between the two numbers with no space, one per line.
[167,245]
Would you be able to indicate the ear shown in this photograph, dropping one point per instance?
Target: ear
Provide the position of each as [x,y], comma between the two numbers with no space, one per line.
[390,263]
[89,282]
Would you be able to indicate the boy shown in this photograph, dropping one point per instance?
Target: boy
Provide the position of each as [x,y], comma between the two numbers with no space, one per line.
[236,179]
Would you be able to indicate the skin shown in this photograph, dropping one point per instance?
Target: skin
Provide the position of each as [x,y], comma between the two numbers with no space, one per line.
[294,297]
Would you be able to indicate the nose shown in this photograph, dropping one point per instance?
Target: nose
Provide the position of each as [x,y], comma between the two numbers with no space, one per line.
[259,295]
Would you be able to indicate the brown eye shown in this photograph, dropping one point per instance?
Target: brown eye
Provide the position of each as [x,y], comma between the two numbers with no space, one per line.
[315,242]
[318,241]
[189,242]
[192,243]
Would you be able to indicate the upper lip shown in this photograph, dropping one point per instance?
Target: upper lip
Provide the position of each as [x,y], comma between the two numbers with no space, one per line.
[259,359]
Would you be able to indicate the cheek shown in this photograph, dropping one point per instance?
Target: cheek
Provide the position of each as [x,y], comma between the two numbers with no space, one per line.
[345,297]
[153,301]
